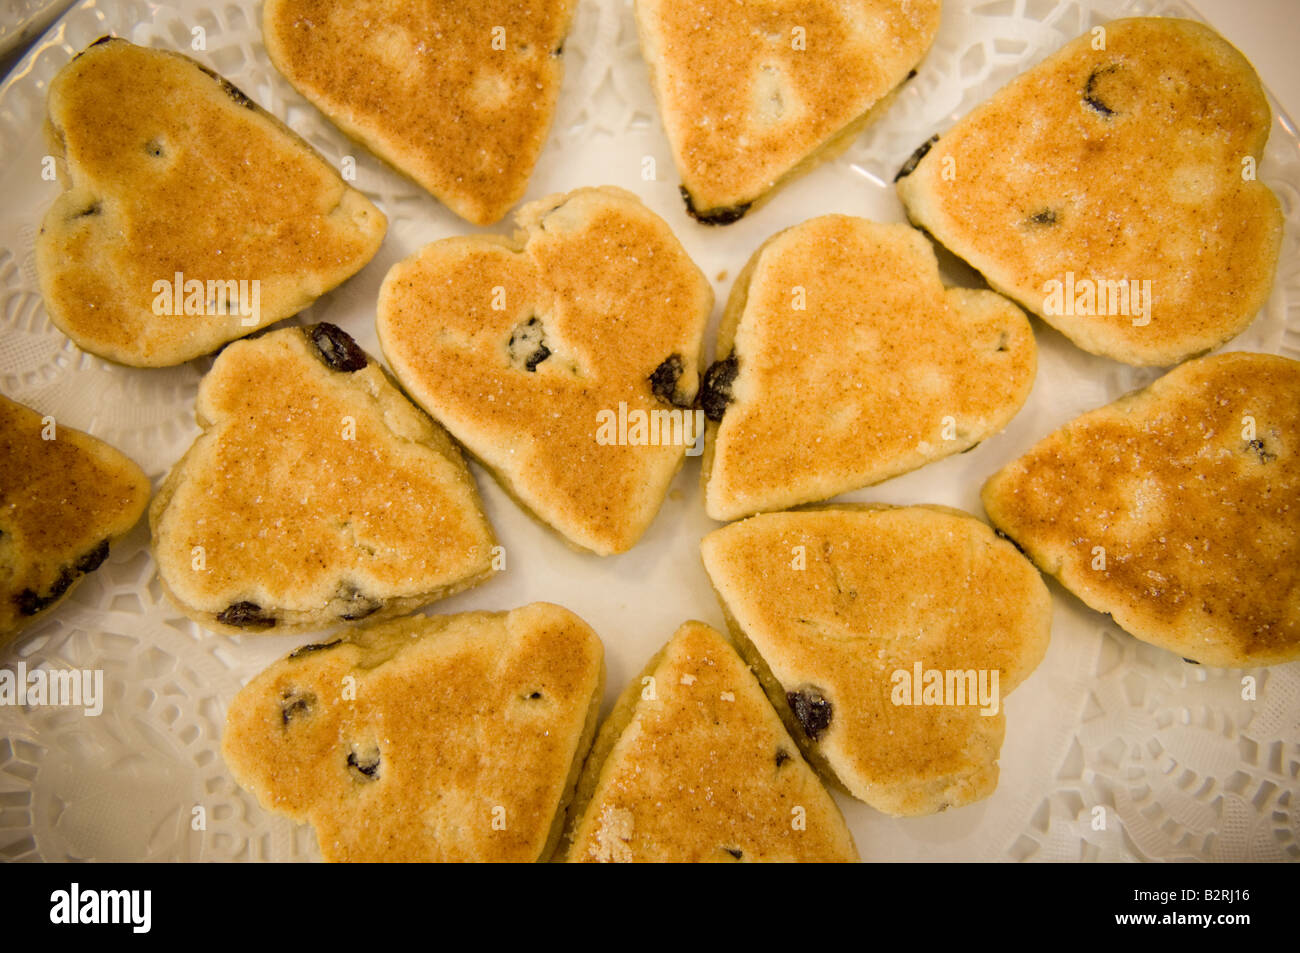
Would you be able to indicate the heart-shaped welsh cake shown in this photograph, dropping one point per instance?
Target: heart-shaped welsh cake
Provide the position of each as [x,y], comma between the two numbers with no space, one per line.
[65,497]
[1112,191]
[694,765]
[316,494]
[844,361]
[190,216]
[752,94]
[447,738]
[566,361]
[458,96]
[888,638]
[1176,509]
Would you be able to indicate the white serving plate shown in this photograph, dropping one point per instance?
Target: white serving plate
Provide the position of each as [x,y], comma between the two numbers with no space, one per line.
[1184,767]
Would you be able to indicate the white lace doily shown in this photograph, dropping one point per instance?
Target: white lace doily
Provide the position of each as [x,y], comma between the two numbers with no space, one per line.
[1182,765]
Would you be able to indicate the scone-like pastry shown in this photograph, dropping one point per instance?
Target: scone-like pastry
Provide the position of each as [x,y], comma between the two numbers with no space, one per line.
[888,638]
[694,765]
[1111,190]
[447,738]
[752,94]
[566,361]
[458,96]
[316,494]
[190,215]
[65,497]
[845,361]
[1176,509]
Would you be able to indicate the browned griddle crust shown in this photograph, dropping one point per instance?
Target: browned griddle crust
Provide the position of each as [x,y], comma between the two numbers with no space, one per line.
[1190,489]
[458,96]
[843,361]
[169,169]
[753,94]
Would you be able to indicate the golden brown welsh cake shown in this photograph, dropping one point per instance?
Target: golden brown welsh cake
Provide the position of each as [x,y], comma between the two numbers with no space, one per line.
[1111,190]
[190,216]
[1175,509]
[447,738]
[566,361]
[888,638]
[316,494]
[694,765]
[752,94]
[65,497]
[844,361]
[458,96]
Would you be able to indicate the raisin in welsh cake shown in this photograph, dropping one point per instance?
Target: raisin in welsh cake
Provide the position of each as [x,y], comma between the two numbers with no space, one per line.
[447,738]
[1111,190]
[315,494]
[527,349]
[694,765]
[65,497]
[847,612]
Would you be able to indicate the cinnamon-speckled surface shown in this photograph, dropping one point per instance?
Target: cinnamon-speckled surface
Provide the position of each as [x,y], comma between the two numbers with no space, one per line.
[694,765]
[855,364]
[746,99]
[1128,163]
[615,295]
[60,499]
[319,495]
[1198,521]
[470,729]
[837,600]
[432,86]
[168,169]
